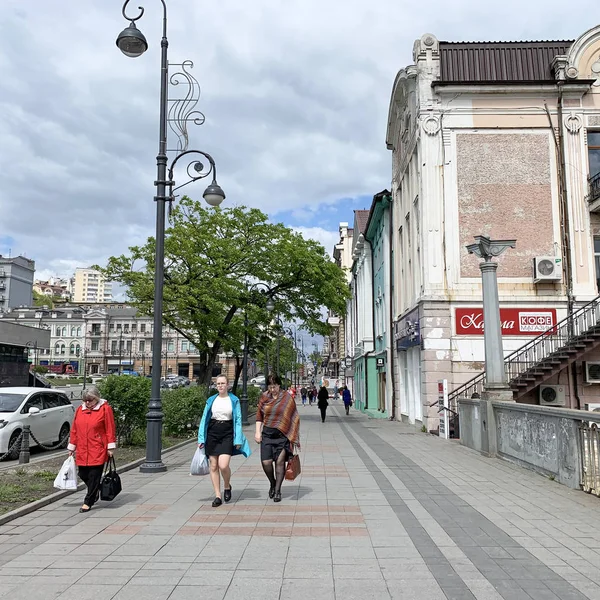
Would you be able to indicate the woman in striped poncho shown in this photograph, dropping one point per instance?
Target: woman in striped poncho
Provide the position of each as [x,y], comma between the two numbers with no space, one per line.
[277,432]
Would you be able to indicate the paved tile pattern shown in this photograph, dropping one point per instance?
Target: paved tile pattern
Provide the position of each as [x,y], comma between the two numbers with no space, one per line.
[379,511]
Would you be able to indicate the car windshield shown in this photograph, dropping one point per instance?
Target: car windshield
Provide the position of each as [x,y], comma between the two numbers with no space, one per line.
[10,402]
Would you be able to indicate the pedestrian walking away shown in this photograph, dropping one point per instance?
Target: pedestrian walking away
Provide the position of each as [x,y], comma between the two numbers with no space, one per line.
[93,441]
[277,432]
[335,392]
[323,402]
[220,432]
[303,394]
[347,398]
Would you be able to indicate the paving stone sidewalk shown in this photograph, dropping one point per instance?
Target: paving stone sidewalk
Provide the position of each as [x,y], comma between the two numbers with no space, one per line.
[380,511]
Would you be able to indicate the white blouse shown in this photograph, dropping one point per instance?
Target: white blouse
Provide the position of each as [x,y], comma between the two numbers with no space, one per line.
[222,409]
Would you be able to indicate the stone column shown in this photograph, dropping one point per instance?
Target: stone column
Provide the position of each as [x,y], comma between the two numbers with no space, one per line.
[496,386]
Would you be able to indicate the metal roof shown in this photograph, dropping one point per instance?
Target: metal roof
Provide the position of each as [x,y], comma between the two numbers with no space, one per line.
[499,62]
[362,216]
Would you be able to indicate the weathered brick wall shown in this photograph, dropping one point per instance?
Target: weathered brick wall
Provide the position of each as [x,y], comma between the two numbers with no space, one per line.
[504,191]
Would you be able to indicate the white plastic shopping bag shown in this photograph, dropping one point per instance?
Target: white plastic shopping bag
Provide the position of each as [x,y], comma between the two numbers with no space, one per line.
[67,476]
[199,464]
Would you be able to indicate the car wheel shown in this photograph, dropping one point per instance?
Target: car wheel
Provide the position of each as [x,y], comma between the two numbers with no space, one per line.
[16,451]
[64,433]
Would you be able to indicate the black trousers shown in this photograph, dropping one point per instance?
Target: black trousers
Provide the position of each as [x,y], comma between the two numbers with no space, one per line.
[91,476]
[323,414]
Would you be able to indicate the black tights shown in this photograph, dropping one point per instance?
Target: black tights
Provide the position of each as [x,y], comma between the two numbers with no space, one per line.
[275,476]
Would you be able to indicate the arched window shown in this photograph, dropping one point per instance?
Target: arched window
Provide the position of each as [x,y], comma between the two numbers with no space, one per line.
[72,349]
[73,331]
[77,349]
[57,348]
[79,332]
[64,331]
[62,348]
[58,331]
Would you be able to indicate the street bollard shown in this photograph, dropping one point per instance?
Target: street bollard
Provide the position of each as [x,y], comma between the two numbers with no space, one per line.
[24,455]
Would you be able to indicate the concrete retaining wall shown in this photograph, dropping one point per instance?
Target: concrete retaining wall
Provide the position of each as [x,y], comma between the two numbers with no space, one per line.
[544,439]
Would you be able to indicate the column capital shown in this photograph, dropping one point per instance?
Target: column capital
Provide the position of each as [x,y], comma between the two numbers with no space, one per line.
[487,248]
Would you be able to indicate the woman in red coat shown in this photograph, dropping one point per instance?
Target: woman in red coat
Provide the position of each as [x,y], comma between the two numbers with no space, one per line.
[93,439]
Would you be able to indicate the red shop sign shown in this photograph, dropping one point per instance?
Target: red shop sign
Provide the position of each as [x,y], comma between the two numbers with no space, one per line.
[514,321]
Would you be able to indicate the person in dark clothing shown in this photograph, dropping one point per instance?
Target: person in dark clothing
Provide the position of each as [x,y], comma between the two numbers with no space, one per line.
[347,398]
[323,402]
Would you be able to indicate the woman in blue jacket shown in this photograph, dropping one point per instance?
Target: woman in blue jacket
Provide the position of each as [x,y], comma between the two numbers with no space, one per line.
[221,433]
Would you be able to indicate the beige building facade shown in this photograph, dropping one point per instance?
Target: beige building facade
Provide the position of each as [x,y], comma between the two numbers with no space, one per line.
[502,140]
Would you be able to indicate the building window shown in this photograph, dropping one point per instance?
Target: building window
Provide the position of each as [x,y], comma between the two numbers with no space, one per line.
[111,327]
[133,327]
[95,344]
[143,328]
[126,328]
[95,329]
[73,330]
[170,346]
[593,138]
[128,345]
[597,260]
[142,345]
[113,346]
[118,326]
[57,348]
[184,346]
[79,332]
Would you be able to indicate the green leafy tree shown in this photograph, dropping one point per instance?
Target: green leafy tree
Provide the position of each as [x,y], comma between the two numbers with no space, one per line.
[211,258]
[42,300]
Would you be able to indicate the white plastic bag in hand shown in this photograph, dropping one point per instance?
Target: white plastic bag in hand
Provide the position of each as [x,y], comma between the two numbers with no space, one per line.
[199,463]
[67,476]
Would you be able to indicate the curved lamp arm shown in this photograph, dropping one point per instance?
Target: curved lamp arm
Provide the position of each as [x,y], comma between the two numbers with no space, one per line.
[196,170]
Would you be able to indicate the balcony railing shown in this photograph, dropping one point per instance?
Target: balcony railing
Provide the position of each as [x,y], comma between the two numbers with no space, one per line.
[594,188]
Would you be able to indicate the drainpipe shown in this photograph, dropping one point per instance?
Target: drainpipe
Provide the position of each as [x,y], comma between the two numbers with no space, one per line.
[391,319]
[566,232]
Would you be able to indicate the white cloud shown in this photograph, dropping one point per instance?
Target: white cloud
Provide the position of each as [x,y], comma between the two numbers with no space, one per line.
[327,238]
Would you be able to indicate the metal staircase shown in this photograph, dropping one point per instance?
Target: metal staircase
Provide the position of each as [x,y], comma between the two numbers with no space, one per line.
[543,356]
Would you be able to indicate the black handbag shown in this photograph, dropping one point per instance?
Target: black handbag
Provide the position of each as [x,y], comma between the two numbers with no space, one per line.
[110,486]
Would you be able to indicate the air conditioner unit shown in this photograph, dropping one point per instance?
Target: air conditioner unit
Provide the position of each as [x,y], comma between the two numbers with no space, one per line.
[552,395]
[547,268]
[592,372]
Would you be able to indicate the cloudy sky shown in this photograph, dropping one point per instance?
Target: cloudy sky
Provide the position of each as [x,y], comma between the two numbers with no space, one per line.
[295,95]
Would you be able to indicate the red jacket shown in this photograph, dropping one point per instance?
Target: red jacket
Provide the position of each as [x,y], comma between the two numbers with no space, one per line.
[93,434]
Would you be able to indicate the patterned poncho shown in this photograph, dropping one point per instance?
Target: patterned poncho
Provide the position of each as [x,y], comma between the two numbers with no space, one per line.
[280,413]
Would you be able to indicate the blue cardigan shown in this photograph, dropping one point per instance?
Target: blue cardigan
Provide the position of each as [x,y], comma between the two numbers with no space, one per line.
[239,439]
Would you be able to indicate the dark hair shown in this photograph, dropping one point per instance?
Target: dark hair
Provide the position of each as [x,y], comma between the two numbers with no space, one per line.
[273,379]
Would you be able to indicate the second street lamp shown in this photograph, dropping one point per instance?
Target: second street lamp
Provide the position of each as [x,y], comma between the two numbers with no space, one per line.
[270,306]
[132,43]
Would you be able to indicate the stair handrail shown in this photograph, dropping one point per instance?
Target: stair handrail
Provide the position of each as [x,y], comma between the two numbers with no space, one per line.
[535,350]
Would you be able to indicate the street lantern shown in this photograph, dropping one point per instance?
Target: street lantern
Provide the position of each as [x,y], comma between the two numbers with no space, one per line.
[132,43]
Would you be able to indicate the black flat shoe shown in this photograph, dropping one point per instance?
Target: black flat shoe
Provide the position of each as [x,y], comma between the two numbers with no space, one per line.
[227,494]
[217,502]
[277,497]
[271,492]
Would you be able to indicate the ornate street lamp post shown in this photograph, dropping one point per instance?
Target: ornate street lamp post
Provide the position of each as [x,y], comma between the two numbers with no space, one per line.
[270,305]
[132,43]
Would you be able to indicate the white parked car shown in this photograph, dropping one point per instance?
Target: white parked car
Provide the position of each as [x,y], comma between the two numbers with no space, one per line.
[260,379]
[49,413]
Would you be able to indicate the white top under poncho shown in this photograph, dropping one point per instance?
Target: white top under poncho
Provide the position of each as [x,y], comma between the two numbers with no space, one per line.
[222,409]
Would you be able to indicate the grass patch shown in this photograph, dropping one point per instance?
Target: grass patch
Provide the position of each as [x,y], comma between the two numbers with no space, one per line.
[27,483]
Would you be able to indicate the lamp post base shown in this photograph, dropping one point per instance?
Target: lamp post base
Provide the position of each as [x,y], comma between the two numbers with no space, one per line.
[153,467]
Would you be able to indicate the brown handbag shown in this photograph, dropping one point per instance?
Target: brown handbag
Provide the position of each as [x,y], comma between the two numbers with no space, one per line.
[293,468]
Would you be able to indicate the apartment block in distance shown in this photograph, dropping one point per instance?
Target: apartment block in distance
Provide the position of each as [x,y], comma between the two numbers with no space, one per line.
[91,286]
[16,282]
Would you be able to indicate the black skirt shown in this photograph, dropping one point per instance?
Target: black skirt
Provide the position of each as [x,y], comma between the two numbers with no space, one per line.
[273,442]
[219,438]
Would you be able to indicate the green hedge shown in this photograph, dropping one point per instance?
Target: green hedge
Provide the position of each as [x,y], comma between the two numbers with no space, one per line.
[128,397]
[183,408]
